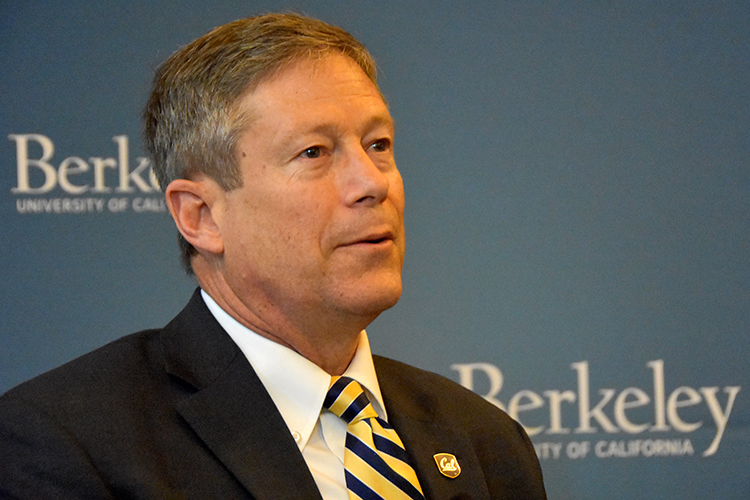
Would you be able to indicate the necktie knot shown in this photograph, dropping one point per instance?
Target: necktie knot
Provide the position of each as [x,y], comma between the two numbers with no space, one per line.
[376,465]
[347,400]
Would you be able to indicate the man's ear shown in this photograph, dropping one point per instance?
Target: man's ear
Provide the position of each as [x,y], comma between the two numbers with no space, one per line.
[191,204]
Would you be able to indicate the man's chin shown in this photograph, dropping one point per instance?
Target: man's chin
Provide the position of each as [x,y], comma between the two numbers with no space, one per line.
[371,301]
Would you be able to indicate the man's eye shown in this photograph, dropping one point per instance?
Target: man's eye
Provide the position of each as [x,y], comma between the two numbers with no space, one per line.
[381,145]
[313,152]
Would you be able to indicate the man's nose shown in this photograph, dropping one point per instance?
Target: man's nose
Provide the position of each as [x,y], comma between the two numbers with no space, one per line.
[364,181]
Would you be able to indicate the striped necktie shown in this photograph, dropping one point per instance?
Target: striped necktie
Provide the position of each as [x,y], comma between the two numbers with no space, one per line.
[375,462]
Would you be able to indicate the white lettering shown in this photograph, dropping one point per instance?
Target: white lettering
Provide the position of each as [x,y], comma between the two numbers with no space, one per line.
[493,373]
[622,403]
[100,185]
[674,402]
[659,413]
[141,178]
[65,170]
[448,465]
[555,414]
[515,406]
[644,448]
[548,450]
[721,418]
[59,205]
[149,205]
[23,162]
[621,417]
[125,175]
[584,413]
[576,449]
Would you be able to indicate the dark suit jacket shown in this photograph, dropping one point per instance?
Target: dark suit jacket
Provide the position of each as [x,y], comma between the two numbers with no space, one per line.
[180,413]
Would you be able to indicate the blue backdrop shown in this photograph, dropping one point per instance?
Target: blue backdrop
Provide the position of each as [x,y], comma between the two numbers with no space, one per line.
[577,213]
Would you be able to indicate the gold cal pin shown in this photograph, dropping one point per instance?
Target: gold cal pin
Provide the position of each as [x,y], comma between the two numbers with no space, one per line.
[447,465]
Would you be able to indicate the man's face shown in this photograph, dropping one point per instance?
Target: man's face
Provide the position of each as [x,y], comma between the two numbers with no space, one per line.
[318,223]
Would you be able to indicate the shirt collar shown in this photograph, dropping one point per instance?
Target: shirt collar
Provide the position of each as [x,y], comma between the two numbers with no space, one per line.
[296,385]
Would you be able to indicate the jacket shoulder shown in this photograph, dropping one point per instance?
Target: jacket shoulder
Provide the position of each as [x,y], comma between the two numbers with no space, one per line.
[507,457]
[431,391]
[112,365]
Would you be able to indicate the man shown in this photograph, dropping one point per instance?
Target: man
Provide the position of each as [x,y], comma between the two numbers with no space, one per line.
[275,148]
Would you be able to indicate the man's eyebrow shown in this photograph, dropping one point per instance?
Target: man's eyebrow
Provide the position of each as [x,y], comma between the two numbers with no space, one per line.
[375,121]
[379,120]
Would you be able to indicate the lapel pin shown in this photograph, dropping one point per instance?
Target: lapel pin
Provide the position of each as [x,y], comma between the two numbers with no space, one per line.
[447,465]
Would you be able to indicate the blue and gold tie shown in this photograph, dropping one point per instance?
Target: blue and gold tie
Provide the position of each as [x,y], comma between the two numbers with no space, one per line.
[375,462]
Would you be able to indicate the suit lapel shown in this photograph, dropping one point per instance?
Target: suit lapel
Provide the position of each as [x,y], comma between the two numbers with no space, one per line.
[424,435]
[422,441]
[231,411]
[240,424]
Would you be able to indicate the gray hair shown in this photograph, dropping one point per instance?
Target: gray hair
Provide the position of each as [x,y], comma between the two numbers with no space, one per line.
[192,122]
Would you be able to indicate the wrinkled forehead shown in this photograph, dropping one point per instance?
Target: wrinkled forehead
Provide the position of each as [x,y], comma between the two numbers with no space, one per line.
[313,66]
[304,57]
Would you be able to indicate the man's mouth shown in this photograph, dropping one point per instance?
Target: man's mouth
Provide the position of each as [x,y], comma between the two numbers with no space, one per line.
[378,238]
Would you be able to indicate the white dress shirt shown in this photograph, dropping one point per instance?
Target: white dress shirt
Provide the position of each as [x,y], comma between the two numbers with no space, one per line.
[298,388]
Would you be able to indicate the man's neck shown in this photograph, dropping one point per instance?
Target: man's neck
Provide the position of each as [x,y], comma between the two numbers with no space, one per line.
[328,340]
